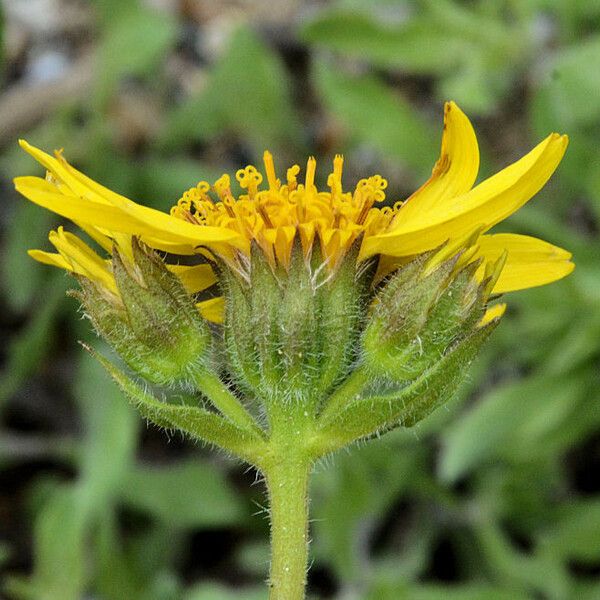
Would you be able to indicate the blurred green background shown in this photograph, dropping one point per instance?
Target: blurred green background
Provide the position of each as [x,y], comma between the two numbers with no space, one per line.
[496,496]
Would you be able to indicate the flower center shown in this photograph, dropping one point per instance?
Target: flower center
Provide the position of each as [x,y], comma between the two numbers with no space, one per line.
[273,217]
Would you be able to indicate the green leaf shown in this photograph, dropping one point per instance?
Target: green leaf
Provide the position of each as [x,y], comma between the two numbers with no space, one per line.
[111,428]
[254,557]
[132,45]
[474,57]
[404,591]
[415,45]
[190,494]
[576,533]
[163,180]
[511,420]
[115,577]
[570,90]
[375,115]
[535,572]
[370,415]
[4,553]
[21,275]
[351,498]
[198,423]
[60,552]
[33,343]
[110,10]
[248,94]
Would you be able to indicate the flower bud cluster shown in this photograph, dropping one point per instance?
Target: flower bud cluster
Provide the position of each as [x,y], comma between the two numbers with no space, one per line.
[293,333]
[153,325]
[418,315]
[337,347]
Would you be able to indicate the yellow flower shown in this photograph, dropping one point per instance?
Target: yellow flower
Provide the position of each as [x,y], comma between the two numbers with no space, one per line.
[446,212]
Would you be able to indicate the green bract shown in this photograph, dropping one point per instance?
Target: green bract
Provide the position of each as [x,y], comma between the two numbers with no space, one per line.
[157,330]
[335,351]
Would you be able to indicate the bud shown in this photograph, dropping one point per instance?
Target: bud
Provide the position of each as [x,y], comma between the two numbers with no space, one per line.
[155,327]
[419,314]
[291,333]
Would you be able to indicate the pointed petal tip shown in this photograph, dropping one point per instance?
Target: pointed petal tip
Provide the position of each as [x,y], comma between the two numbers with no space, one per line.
[451,105]
[560,138]
[569,268]
[29,148]
[492,314]
[20,183]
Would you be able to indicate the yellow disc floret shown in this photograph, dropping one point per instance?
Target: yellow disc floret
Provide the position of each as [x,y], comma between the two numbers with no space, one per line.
[273,218]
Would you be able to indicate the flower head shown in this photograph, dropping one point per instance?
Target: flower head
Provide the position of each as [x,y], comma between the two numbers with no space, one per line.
[210,220]
[317,286]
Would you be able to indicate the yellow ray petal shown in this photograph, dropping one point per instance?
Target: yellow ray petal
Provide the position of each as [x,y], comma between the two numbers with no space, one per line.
[103,240]
[76,257]
[493,312]
[530,262]
[86,188]
[58,169]
[213,309]
[82,258]
[51,258]
[112,218]
[455,171]
[194,278]
[485,205]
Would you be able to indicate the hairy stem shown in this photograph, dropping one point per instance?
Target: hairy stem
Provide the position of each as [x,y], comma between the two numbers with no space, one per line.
[224,400]
[345,394]
[287,483]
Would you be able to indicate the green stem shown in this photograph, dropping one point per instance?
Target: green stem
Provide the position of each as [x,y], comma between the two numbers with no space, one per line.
[287,483]
[218,393]
[345,394]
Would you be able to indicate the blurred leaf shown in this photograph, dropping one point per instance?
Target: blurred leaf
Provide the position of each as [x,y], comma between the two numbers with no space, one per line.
[111,434]
[351,498]
[4,553]
[413,45]
[33,343]
[586,590]
[520,413]
[532,572]
[21,275]
[165,180]
[190,494]
[570,90]
[60,552]
[255,557]
[132,45]
[247,94]
[110,10]
[474,56]
[576,532]
[217,592]
[402,591]
[580,343]
[2,42]
[123,572]
[374,115]
[154,551]
[115,578]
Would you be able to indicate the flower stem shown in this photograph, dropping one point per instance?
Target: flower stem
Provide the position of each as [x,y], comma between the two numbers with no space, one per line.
[345,394]
[287,483]
[217,392]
